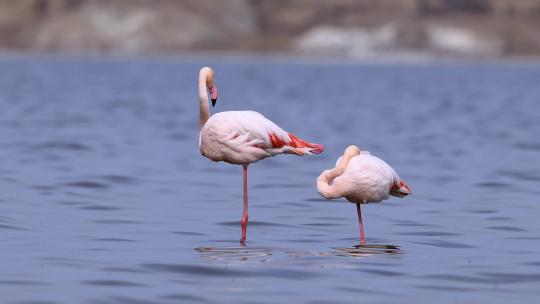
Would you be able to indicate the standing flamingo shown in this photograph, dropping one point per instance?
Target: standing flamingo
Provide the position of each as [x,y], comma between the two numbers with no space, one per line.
[361,178]
[242,137]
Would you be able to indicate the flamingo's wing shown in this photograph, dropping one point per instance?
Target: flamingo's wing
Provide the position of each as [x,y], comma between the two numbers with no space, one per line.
[267,134]
[247,136]
[260,128]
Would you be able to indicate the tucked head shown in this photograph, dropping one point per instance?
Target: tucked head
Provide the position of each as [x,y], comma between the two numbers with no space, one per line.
[400,189]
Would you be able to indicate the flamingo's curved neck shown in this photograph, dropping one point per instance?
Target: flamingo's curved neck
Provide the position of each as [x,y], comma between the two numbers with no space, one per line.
[325,184]
[206,80]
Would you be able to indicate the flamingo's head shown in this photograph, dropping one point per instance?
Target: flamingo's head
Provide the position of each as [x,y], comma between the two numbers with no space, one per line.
[206,74]
[213,94]
[400,189]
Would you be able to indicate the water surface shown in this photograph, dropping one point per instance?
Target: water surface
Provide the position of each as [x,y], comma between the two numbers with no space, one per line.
[105,198]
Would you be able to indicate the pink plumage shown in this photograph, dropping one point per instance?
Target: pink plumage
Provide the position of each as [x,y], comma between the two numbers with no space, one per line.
[361,178]
[242,137]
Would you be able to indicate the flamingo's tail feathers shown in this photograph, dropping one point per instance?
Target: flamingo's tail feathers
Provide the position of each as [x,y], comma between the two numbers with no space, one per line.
[308,147]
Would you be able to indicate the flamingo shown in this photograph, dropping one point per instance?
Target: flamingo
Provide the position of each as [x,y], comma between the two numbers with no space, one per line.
[242,137]
[361,178]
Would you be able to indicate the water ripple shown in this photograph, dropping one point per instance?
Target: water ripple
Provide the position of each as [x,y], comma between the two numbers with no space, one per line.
[533,146]
[60,145]
[37,302]
[521,175]
[183,297]
[124,300]
[99,208]
[493,185]
[385,273]
[443,288]
[120,179]
[490,278]
[233,253]
[199,270]
[444,244]
[429,233]
[113,240]
[11,227]
[87,184]
[187,233]
[506,228]
[195,270]
[112,283]
[116,222]
[21,282]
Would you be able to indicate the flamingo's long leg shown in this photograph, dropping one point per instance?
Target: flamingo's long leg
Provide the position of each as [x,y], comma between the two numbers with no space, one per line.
[244,220]
[360,224]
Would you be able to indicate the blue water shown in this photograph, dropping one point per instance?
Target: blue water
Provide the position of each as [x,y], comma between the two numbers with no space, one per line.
[104,197]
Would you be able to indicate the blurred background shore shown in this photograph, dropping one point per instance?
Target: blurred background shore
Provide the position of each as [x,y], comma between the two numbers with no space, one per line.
[357,29]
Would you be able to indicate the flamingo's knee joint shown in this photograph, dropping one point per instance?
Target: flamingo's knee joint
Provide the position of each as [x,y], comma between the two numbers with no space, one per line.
[244,220]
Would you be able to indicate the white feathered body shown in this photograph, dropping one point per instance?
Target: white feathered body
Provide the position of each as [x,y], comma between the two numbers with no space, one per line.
[366,179]
[361,178]
[243,137]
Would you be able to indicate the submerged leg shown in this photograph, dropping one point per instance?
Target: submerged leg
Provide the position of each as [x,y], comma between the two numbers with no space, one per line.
[244,220]
[362,237]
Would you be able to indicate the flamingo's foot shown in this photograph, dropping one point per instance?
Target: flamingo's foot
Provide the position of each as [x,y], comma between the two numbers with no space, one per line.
[362,242]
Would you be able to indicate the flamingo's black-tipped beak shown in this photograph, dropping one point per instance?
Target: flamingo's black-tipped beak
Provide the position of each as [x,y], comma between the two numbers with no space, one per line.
[213,95]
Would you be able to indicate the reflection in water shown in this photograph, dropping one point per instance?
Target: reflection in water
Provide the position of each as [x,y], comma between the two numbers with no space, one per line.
[234,253]
[366,250]
[355,251]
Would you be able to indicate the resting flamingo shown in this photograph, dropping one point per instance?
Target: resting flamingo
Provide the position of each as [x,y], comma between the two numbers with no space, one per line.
[361,178]
[242,137]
